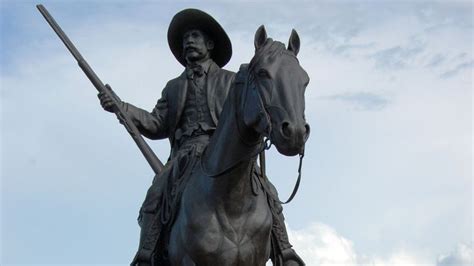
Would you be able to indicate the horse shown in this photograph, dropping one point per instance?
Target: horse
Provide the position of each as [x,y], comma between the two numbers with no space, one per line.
[224,217]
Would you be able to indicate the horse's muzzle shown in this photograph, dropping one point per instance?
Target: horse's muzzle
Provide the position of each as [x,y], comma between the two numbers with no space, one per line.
[291,137]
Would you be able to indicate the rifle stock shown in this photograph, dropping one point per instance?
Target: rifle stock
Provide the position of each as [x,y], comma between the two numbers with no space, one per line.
[150,156]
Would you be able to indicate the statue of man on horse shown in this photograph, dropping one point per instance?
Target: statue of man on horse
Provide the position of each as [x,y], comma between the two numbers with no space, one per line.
[188,114]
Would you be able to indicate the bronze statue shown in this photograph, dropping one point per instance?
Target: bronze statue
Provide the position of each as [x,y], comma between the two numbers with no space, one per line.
[211,204]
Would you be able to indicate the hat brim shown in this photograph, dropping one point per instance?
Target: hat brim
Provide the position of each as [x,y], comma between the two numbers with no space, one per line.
[196,19]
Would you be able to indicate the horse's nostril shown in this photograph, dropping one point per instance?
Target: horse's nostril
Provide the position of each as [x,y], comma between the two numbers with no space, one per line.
[308,129]
[285,129]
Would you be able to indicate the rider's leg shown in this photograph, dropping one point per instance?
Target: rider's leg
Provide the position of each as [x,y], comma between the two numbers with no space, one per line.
[149,219]
[279,233]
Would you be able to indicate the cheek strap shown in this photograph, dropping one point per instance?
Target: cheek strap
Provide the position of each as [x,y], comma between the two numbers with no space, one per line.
[258,117]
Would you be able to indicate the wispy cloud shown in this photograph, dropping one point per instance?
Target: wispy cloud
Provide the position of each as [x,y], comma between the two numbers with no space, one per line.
[442,15]
[461,56]
[348,48]
[436,60]
[365,101]
[458,68]
[396,57]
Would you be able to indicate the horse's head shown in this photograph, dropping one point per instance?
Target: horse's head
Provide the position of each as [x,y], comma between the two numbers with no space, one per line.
[274,101]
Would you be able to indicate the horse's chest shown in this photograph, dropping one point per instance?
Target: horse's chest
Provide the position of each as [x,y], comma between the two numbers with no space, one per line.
[211,233]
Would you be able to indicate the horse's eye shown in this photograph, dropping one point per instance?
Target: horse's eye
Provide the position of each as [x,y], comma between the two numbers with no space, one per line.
[263,73]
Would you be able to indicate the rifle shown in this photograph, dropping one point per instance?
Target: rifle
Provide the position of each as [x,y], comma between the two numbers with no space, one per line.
[150,156]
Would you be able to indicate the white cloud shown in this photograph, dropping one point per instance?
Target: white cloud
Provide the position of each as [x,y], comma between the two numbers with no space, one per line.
[401,258]
[321,245]
[462,255]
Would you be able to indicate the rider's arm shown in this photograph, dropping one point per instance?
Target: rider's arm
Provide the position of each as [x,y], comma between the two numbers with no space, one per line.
[154,124]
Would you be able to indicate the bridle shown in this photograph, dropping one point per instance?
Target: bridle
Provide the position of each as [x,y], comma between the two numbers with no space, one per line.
[267,133]
[267,142]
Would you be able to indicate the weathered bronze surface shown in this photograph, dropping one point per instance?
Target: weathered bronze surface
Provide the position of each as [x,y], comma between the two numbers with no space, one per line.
[211,204]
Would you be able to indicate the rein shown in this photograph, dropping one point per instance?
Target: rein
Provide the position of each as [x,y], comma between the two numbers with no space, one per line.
[298,179]
[266,146]
[228,169]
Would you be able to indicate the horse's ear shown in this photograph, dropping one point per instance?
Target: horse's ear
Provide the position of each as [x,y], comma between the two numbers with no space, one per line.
[294,42]
[260,37]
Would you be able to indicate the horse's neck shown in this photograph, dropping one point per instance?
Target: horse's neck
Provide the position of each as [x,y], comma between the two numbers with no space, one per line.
[229,156]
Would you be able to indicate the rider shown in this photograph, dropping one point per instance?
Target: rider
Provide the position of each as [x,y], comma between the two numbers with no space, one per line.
[187,115]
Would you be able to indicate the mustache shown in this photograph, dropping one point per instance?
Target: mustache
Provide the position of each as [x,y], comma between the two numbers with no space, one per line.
[190,48]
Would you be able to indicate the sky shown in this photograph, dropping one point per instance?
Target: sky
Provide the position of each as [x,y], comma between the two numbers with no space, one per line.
[387,174]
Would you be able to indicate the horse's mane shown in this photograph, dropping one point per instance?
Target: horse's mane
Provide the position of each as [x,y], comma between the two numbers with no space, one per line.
[267,52]
[264,55]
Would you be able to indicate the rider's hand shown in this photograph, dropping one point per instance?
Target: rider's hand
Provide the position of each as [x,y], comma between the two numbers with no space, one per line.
[107,102]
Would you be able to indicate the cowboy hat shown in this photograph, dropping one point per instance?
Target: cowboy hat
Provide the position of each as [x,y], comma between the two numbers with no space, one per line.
[189,19]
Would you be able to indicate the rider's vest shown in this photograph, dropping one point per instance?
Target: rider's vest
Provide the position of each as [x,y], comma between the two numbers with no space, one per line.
[196,118]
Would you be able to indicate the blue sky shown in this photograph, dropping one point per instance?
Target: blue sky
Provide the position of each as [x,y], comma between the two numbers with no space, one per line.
[387,176]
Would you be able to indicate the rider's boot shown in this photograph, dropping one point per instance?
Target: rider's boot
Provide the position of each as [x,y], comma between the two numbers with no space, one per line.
[288,255]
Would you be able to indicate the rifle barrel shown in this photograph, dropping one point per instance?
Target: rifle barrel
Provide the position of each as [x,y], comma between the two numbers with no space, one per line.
[70,46]
[150,156]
